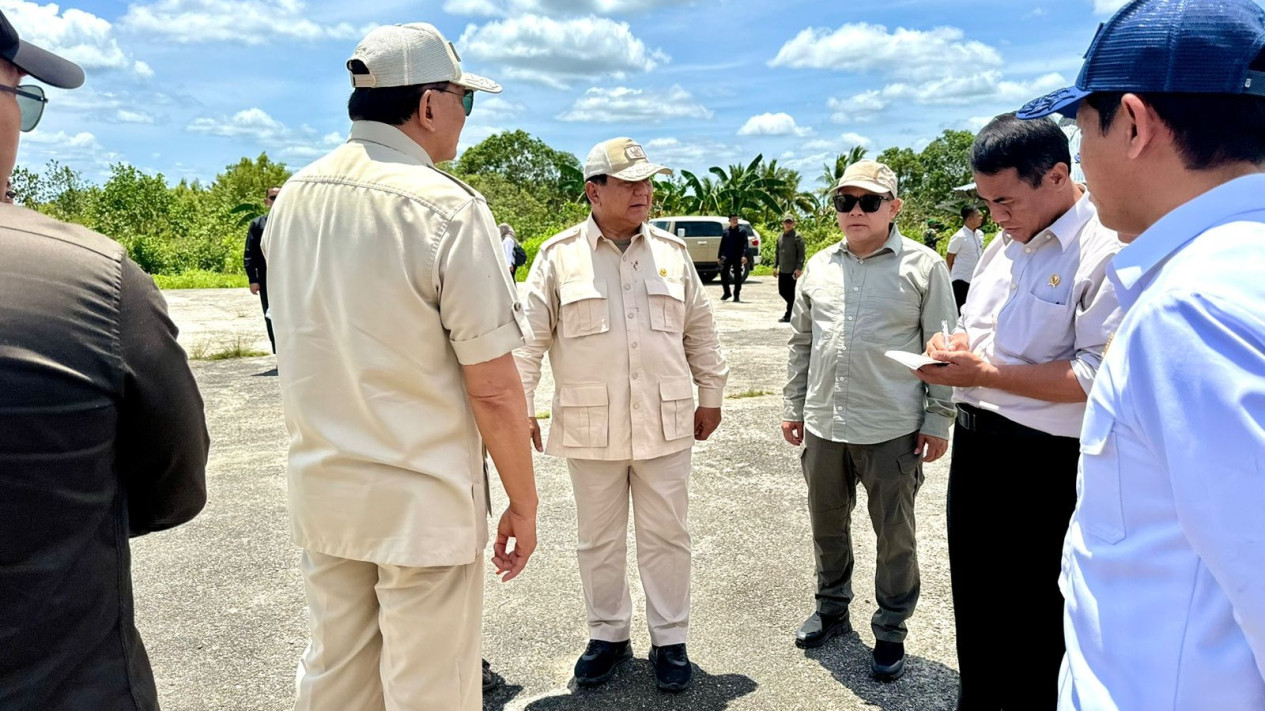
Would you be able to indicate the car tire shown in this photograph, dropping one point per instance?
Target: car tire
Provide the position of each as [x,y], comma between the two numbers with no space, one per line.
[708,277]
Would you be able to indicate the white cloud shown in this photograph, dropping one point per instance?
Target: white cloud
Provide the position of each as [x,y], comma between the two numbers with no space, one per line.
[79,36]
[495,107]
[252,22]
[599,105]
[779,124]
[123,106]
[1107,7]
[844,142]
[505,8]
[558,53]
[80,150]
[860,108]
[694,154]
[256,125]
[904,54]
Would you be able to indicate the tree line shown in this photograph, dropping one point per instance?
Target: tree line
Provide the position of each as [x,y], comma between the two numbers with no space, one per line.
[171,229]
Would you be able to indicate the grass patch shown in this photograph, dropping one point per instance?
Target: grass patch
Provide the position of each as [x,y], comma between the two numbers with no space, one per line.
[201,280]
[749,393]
[228,349]
[544,415]
[762,270]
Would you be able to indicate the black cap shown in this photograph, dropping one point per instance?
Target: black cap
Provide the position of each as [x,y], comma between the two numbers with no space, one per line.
[39,63]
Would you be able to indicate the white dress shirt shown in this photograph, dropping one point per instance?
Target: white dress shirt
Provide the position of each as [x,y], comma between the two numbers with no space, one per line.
[966,246]
[1164,564]
[507,244]
[1041,302]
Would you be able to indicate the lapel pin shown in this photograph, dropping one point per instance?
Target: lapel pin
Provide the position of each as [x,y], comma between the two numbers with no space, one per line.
[1055,280]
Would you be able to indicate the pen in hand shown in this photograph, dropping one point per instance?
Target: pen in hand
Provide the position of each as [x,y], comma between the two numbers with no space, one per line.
[944,333]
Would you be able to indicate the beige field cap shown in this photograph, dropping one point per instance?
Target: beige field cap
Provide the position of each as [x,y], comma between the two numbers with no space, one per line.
[407,55]
[869,175]
[621,158]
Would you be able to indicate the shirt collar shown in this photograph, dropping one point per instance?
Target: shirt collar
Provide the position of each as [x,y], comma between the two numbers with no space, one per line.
[894,244]
[1224,203]
[592,232]
[1069,225]
[389,136]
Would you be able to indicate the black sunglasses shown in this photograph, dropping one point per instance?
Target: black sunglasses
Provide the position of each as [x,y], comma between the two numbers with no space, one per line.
[869,203]
[467,99]
[31,101]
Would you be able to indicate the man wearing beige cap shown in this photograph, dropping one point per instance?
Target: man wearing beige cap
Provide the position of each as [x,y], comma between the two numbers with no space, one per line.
[860,415]
[629,331]
[396,375]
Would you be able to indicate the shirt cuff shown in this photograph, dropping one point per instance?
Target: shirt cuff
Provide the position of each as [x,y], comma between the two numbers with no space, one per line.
[711,397]
[792,412]
[936,426]
[490,345]
[1084,373]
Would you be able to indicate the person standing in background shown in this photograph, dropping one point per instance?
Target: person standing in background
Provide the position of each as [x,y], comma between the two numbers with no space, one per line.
[732,256]
[963,253]
[789,264]
[256,265]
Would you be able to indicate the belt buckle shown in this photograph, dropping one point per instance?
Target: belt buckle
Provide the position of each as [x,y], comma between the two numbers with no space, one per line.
[966,419]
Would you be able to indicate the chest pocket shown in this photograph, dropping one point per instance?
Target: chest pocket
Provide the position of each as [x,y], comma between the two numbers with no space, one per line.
[1100,511]
[1036,330]
[667,304]
[584,308]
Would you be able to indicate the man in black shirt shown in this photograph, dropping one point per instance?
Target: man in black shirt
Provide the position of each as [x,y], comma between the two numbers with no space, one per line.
[102,437]
[732,258]
[789,264]
[256,267]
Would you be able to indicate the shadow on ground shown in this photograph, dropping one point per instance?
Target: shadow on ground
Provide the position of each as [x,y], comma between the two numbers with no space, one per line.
[925,686]
[632,687]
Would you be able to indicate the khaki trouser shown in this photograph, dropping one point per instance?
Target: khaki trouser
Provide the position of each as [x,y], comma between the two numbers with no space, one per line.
[391,637]
[891,473]
[660,497]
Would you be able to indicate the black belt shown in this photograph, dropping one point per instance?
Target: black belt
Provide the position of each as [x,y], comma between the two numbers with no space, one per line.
[991,423]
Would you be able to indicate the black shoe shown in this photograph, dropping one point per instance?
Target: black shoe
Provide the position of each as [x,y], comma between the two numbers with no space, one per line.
[672,671]
[737,300]
[726,297]
[784,319]
[598,663]
[490,679]
[819,628]
[889,660]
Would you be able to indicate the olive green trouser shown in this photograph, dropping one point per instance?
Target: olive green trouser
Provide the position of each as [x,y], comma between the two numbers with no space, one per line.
[891,473]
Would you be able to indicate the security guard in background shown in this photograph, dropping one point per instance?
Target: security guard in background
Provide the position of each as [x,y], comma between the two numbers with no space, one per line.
[255,264]
[629,332]
[733,258]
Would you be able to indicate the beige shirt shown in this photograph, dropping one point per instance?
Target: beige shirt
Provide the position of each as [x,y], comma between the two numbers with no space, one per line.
[848,311]
[1044,301]
[385,277]
[628,334]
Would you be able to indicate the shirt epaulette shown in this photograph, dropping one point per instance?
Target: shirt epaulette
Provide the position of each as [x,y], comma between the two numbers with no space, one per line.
[563,236]
[464,185]
[668,236]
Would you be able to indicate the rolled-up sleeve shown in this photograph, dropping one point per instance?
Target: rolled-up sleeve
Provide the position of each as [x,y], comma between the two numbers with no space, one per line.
[938,308]
[540,312]
[1097,316]
[478,304]
[702,344]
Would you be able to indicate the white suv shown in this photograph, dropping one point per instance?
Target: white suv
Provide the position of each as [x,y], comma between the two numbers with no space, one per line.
[702,238]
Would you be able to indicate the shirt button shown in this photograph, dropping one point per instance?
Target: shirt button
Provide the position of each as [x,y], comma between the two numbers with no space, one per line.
[860,261]
[634,376]
[634,346]
[843,348]
[630,315]
[636,406]
[849,318]
[1027,250]
[856,288]
[627,287]
[1014,285]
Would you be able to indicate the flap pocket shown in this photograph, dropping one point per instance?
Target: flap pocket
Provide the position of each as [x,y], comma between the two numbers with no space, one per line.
[573,291]
[659,286]
[1100,509]
[676,389]
[582,395]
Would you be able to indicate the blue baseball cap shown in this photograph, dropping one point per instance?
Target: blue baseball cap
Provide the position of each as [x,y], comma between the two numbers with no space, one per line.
[1167,47]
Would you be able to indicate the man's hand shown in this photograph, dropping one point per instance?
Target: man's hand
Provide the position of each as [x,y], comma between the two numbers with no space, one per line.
[520,526]
[706,420]
[254,288]
[931,448]
[798,272]
[964,369]
[957,342]
[793,432]
[535,434]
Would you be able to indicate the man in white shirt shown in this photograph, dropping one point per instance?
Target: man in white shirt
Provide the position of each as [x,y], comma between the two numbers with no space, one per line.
[1164,566]
[964,252]
[509,241]
[1023,357]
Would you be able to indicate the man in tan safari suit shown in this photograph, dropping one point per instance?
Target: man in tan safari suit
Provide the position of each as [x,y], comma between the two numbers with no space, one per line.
[629,331]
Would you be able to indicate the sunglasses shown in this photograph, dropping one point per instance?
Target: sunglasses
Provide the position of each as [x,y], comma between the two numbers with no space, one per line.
[869,203]
[31,101]
[467,99]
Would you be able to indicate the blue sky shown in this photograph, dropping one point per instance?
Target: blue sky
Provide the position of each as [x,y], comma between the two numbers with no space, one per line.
[185,87]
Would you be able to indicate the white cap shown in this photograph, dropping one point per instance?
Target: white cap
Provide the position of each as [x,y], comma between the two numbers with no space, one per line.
[412,54]
[621,158]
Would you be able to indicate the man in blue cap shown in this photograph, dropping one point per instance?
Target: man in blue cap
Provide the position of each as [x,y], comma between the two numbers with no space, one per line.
[1164,563]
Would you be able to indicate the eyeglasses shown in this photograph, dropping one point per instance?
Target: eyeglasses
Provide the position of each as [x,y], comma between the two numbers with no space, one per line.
[869,203]
[31,101]
[467,99]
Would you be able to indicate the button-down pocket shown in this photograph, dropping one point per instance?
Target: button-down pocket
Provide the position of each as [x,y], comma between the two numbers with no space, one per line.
[1035,330]
[584,308]
[585,415]
[677,407]
[667,304]
[1100,512]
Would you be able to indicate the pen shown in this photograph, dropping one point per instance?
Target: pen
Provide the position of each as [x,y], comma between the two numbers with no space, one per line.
[944,333]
